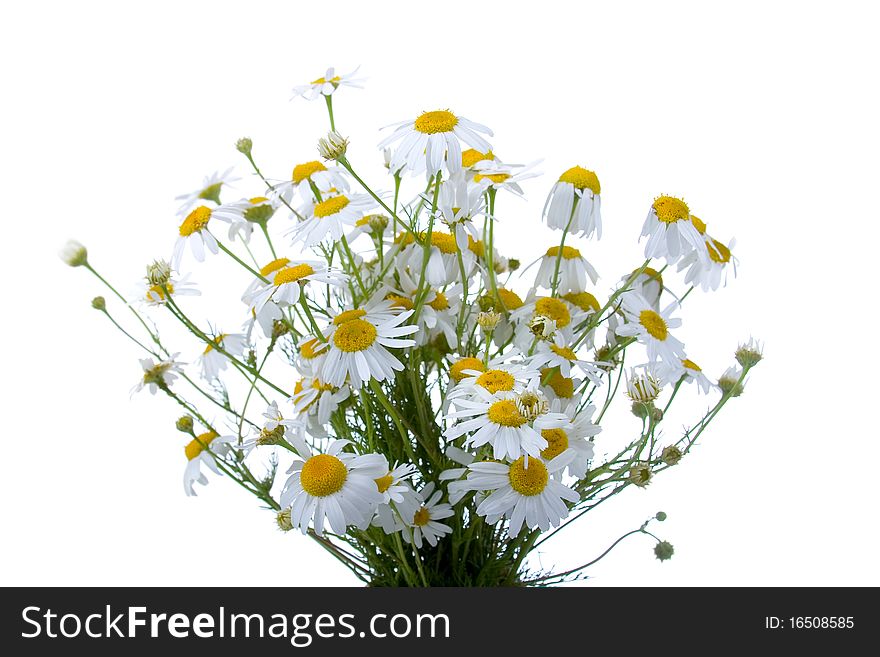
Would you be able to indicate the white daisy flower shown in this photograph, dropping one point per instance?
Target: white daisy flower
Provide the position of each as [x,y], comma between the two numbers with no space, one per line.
[242,215]
[497,175]
[154,295]
[709,271]
[316,402]
[424,522]
[327,84]
[194,233]
[209,191]
[575,435]
[439,314]
[574,270]
[359,340]
[158,375]
[499,377]
[432,142]
[310,173]
[671,230]
[287,282]
[393,485]
[687,371]
[649,284]
[198,453]
[511,423]
[213,361]
[336,487]
[556,386]
[526,493]
[458,203]
[557,354]
[331,216]
[651,328]
[644,384]
[559,313]
[311,353]
[574,203]
[443,268]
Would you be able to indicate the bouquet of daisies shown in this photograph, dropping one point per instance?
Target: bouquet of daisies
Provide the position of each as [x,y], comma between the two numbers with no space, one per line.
[397,390]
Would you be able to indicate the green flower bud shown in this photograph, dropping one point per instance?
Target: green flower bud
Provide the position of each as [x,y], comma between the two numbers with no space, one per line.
[184,424]
[244,145]
[99,303]
[663,550]
[671,455]
[661,516]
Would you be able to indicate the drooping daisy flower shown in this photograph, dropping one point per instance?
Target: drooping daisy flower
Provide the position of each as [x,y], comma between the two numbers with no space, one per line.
[439,313]
[287,281]
[710,270]
[158,375]
[443,268]
[557,354]
[574,203]
[311,353]
[432,142]
[573,270]
[393,486]
[458,204]
[359,340]
[316,401]
[643,384]
[649,284]
[424,522]
[213,361]
[556,386]
[194,232]
[242,215]
[209,191]
[671,230]
[198,453]
[310,173]
[154,295]
[331,216]
[336,487]
[651,328]
[524,492]
[327,84]
[686,371]
[497,175]
[511,423]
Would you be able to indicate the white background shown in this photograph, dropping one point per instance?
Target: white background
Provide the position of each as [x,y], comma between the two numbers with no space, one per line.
[763,115]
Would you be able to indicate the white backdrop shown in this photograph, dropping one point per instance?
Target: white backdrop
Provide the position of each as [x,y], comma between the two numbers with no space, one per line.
[764,115]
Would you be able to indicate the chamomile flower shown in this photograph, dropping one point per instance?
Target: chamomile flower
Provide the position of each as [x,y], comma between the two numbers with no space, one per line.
[331,216]
[158,375]
[651,328]
[393,485]
[307,174]
[542,317]
[496,175]
[671,230]
[557,354]
[556,386]
[359,340]
[575,435]
[209,191]
[710,270]
[244,214]
[443,267]
[687,371]
[574,203]
[286,283]
[432,142]
[335,487]
[644,384]
[327,84]
[511,423]
[311,353]
[514,377]
[524,491]
[424,522]
[316,401]
[154,295]
[439,313]
[649,283]
[193,232]
[458,204]
[213,361]
[567,267]
[198,453]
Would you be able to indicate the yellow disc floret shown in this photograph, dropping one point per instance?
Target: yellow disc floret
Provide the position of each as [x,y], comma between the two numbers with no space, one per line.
[718,252]
[496,380]
[440,302]
[195,221]
[568,252]
[312,349]
[421,517]
[398,301]
[583,300]
[691,365]
[354,335]
[331,206]
[561,385]
[554,309]
[557,442]
[430,123]
[323,475]
[471,156]
[699,224]
[384,483]
[581,179]
[199,443]
[457,369]
[497,178]
[274,266]
[506,414]
[530,480]
[348,315]
[670,209]
[511,300]
[293,274]
[565,352]
[305,170]
[156,292]
[654,324]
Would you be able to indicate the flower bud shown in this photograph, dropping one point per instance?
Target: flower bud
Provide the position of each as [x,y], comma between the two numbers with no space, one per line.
[377,222]
[542,327]
[283,520]
[640,474]
[750,353]
[158,273]
[333,146]
[671,455]
[99,303]
[729,382]
[531,404]
[244,145]
[488,320]
[513,264]
[184,424]
[271,436]
[641,409]
[663,550]
[661,516]
[74,254]
[279,328]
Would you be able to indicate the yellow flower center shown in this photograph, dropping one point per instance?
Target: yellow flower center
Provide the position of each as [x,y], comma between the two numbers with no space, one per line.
[652,274]
[530,480]
[274,266]
[323,475]
[348,315]
[400,302]
[440,302]
[384,483]
[568,252]
[477,247]
[257,200]
[554,309]
[699,224]
[421,517]
[494,177]
[561,385]
[197,444]
[565,352]
[718,252]
[670,209]
[557,442]
[691,365]
[510,299]
[334,80]
[216,342]
[157,291]
[471,156]
[354,335]
[506,414]
[583,300]
[496,380]
[445,242]
[305,170]
[430,123]
[293,274]
[654,324]
[581,179]
[332,205]
[312,349]
[456,371]
[195,221]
